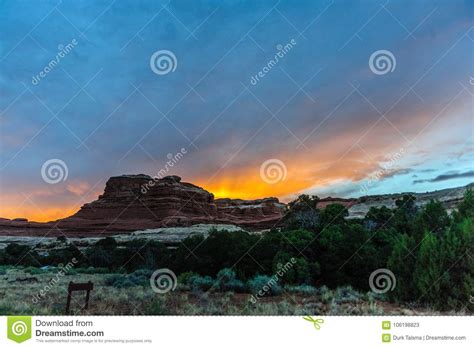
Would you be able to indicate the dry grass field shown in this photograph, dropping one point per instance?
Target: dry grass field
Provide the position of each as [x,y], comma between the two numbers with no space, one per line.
[21,289]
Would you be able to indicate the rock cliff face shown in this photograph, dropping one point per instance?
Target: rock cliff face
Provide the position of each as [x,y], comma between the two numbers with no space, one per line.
[137,202]
[255,214]
[133,202]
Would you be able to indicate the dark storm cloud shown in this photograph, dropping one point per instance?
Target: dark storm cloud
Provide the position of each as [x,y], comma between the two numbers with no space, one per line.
[447,176]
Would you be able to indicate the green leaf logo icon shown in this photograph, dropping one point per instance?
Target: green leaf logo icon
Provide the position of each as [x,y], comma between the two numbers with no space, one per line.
[19,328]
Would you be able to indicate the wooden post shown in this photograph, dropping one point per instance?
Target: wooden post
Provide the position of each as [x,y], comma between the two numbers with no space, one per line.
[88,293]
[69,291]
[78,287]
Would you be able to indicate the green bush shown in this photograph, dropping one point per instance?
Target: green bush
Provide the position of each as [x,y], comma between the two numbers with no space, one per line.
[157,307]
[225,275]
[265,285]
[227,281]
[137,278]
[198,283]
[235,285]
[346,294]
[306,290]
[33,270]
[92,270]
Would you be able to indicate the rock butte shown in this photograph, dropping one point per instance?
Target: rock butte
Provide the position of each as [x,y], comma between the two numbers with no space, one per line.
[136,202]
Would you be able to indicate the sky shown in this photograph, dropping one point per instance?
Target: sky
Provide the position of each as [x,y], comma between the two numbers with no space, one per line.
[258,98]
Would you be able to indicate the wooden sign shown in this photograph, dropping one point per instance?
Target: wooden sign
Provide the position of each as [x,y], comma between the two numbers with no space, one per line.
[78,287]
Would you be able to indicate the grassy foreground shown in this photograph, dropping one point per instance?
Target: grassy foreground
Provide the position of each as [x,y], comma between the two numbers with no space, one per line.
[19,286]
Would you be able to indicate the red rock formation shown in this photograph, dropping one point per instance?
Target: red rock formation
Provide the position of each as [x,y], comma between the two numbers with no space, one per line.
[347,202]
[256,214]
[134,202]
[137,202]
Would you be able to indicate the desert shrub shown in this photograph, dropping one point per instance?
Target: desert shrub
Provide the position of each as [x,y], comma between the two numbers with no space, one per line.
[71,271]
[225,275]
[466,207]
[107,243]
[146,273]
[262,284]
[346,294]
[333,214]
[92,270]
[33,270]
[114,279]
[306,290]
[326,294]
[61,239]
[140,254]
[99,256]
[184,278]
[157,307]
[126,281]
[227,281]
[377,217]
[64,255]
[198,283]
[302,214]
[292,269]
[235,285]
[434,218]
[16,254]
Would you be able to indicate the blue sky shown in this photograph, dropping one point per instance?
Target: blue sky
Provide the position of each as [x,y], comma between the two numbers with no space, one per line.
[338,128]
